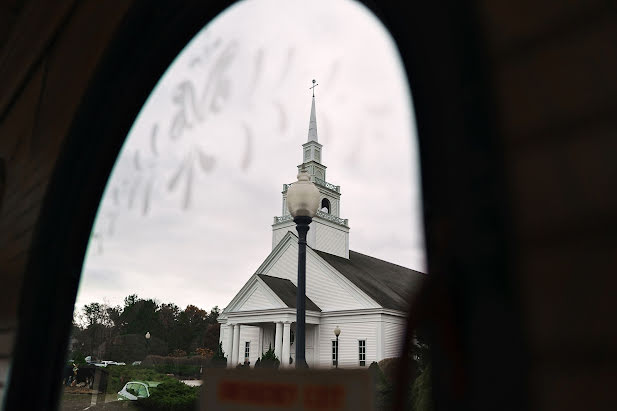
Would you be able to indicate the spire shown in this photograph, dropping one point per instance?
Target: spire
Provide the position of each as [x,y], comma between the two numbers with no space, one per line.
[312,133]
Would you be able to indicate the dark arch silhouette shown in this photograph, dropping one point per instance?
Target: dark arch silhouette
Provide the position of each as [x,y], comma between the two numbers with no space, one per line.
[446,65]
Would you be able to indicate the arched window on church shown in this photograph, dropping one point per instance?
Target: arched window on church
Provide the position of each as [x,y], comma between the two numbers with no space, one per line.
[325,205]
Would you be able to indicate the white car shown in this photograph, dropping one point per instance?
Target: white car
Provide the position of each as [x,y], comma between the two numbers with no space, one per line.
[134,390]
[112,363]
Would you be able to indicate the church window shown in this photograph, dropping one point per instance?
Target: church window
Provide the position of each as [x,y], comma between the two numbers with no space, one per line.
[362,352]
[325,205]
[247,349]
[318,156]
[334,352]
[307,154]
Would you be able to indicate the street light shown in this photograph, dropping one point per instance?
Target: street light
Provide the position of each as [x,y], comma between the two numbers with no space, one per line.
[147,343]
[302,202]
[337,332]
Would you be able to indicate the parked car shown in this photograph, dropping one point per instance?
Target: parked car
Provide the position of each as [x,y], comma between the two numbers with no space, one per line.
[91,359]
[112,363]
[136,363]
[134,390]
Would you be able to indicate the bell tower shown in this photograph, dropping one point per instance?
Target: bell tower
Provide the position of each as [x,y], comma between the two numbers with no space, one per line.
[328,232]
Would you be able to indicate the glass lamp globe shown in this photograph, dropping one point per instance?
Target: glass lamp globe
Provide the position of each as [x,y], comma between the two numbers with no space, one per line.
[337,331]
[303,197]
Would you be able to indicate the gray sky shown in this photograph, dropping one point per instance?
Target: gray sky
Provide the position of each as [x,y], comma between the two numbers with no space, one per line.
[187,213]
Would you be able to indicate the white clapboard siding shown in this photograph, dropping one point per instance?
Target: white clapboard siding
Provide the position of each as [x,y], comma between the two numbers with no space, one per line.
[351,332]
[309,345]
[279,233]
[394,332]
[321,286]
[330,240]
[249,333]
[268,337]
[259,299]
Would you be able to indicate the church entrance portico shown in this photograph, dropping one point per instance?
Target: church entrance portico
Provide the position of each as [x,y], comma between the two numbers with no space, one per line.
[247,335]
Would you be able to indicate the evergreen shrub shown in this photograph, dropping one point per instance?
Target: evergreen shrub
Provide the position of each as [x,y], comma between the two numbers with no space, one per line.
[268,360]
[171,396]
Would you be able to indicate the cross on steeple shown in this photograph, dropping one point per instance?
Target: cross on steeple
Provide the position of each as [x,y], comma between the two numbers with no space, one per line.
[315,84]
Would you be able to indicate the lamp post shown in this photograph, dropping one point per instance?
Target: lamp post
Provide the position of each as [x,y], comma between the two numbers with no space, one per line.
[302,202]
[147,343]
[337,332]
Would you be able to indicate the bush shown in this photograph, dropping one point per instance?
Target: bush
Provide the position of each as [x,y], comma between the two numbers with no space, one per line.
[78,358]
[179,370]
[131,347]
[118,375]
[205,352]
[218,360]
[181,366]
[268,360]
[383,388]
[171,396]
[421,391]
[389,366]
[177,353]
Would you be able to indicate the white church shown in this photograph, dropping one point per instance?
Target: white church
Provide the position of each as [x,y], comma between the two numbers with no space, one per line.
[365,297]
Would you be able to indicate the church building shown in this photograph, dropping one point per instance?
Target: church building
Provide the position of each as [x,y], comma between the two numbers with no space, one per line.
[364,297]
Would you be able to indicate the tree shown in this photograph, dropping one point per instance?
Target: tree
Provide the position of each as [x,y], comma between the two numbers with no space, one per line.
[219,360]
[139,316]
[192,328]
[118,332]
[421,389]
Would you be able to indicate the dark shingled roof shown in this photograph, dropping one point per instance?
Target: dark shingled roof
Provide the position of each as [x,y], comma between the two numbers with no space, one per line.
[389,284]
[287,291]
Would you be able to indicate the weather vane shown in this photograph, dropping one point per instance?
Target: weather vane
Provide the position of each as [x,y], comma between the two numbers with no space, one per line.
[315,84]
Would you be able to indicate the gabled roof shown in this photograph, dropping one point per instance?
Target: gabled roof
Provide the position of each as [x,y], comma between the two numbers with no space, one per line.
[286,291]
[388,284]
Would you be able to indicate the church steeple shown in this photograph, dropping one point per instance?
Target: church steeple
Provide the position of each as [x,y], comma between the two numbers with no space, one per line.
[312,149]
[312,133]
[329,232]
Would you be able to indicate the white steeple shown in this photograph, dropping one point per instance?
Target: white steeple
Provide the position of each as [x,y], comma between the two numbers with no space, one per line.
[312,133]
[312,149]
[329,232]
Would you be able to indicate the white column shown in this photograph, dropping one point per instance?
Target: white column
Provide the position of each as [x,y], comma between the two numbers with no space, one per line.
[317,344]
[229,343]
[260,342]
[286,345]
[278,340]
[234,349]
[240,350]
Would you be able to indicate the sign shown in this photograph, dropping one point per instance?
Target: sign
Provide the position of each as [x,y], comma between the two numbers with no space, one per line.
[265,389]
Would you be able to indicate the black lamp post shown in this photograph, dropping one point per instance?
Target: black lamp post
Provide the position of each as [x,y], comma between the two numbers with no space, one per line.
[147,343]
[302,202]
[337,332]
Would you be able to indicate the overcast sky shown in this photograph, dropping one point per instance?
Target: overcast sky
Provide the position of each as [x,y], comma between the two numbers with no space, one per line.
[186,216]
